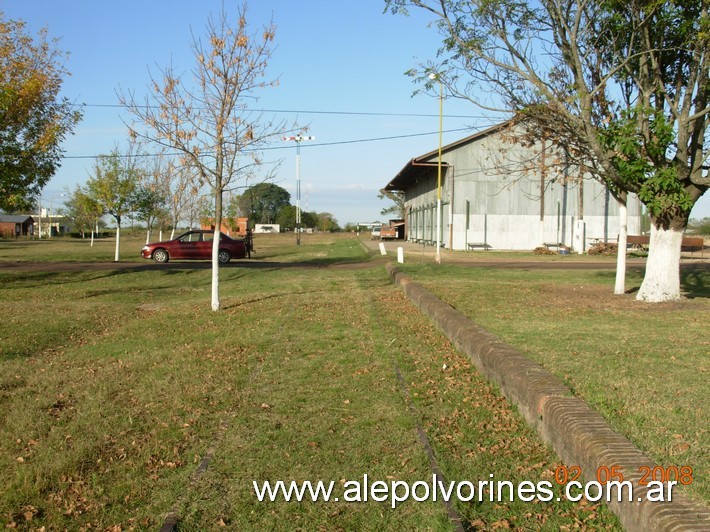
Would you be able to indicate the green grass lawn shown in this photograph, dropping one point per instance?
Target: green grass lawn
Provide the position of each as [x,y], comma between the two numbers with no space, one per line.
[644,367]
[70,249]
[115,385]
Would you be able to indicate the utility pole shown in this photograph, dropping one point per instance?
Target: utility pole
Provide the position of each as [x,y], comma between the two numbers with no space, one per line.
[298,139]
[436,77]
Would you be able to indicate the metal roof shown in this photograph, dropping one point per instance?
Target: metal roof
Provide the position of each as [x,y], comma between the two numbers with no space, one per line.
[421,166]
[16,218]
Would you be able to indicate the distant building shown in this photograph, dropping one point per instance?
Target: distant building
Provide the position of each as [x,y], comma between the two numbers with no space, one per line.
[16,226]
[267,228]
[499,194]
[233,227]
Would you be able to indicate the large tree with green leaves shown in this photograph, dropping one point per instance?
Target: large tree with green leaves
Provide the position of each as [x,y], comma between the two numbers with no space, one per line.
[397,198]
[34,119]
[113,186]
[83,211]
[327,222]
[623,86]
[262,202]
[286,218]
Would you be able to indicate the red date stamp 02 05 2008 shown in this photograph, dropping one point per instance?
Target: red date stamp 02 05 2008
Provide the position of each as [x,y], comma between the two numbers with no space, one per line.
[681,474]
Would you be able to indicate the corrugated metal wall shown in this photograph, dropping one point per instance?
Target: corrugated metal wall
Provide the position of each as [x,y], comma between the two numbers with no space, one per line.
[495,189]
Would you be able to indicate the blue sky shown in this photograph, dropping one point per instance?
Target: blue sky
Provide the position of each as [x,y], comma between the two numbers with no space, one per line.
[340,66]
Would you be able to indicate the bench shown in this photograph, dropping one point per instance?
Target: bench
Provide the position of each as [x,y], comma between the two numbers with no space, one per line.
[594,240]
[474,245]
[693,243]
[689,243]
[638,242]
[557,245]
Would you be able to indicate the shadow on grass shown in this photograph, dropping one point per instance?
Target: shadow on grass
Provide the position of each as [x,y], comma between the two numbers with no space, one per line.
[267,297]
[694,280]
[41,275]
[43,278]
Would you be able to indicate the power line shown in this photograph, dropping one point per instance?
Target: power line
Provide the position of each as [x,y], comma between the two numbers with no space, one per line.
[302,111]
[335,143]
[375,139]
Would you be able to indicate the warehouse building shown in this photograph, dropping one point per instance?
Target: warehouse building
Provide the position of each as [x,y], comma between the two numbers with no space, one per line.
[498,192]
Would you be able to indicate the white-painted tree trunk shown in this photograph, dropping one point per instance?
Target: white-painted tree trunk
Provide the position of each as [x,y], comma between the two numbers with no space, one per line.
[147,236]
[118,242]
[620,285]
[94,231]
[215,270]
[662,279]
[172,233]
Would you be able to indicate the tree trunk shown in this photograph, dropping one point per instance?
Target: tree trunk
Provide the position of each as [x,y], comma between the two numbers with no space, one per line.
[215,250]
[619,287]
[147,236]
[118,241]
[662,279]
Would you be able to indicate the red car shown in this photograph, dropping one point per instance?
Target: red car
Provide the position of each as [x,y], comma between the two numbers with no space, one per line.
[195,245]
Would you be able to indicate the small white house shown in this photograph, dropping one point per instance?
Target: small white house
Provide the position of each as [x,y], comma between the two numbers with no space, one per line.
[267,228]
[497,193]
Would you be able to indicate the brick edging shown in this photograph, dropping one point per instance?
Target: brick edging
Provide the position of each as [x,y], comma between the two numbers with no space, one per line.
[578,434]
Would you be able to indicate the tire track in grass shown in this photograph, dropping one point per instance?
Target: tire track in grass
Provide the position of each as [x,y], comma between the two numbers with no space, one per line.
[451,512]
[326,407]
[172,519]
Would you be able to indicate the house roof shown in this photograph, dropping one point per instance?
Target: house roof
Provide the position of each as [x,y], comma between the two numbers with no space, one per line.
[422,166]
[16,218]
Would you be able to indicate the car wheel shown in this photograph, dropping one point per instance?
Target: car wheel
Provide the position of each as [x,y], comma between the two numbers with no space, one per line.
[224,256]
[160,255]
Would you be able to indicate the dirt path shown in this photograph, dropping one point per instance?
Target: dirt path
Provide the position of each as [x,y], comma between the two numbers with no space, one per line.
[414,253]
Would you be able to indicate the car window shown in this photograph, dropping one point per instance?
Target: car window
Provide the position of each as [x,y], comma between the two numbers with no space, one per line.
[190,237]
[207,237]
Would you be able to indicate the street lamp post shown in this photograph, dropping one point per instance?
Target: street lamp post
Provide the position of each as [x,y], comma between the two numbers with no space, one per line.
[433,76]
[298,139]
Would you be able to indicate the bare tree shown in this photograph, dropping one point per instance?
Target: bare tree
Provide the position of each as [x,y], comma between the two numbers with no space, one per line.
[152,195]
[176,181]
[208,121]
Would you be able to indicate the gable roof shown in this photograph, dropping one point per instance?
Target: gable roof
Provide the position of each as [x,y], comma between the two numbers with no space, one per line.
[421,166]
[16,218]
